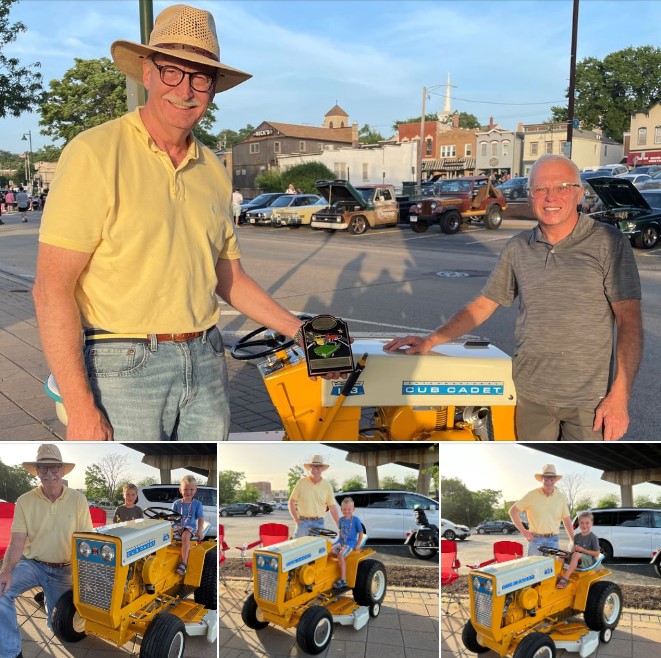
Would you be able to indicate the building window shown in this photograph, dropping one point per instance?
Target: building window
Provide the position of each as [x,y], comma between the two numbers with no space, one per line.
[448,151]
[301,147]
[657,134]
[254,147]
[642,136]
[366,171]
[549,147]
[534,148]
[340,169]
[563,146]
[243,172]
[468,150]
[277,147]
[506,148]
[494,149]
[483,149]
[237,172]
[428,146]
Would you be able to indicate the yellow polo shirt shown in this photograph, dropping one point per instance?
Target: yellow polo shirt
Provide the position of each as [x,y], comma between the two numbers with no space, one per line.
[50,526]
[154,232]
[313,499]
[545,513]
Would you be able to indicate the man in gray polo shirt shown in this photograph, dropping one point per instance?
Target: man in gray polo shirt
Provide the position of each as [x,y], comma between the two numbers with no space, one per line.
[575,279]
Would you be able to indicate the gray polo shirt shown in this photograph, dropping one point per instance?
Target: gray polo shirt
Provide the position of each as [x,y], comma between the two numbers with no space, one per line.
[565,326]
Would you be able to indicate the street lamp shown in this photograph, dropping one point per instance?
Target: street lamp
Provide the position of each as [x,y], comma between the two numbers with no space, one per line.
[421,145]
[29,169]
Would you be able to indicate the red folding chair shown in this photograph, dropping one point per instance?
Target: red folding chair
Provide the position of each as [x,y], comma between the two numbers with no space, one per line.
[6,519]
[449,571]
[222,546]
[269,534]
[98,516]
[503,551]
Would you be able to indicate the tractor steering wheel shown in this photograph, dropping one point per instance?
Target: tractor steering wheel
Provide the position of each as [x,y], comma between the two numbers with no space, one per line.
[322,532]
[162,513]
[555,552]
[272,342]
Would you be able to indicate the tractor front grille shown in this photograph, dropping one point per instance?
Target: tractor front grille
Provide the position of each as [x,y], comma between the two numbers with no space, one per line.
[482,600]
[95,584]
[267,585]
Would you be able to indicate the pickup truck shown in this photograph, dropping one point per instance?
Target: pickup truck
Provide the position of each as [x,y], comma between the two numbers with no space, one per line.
[355,209]
[454,201]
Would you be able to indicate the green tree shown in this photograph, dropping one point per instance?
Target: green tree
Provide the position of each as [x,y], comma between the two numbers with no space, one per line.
[608,91]
[201,130]
[14,481]
[95,484]
[304,176]
[145,482]
[89,94]
[368,135]
[645,501]
[466,120]
[49,153]
[228,138]
[410,483]
[354,483]
[461,505]
[20,86]
[610,500]
[333,480]
[270,180]
[293,476]
[390,482]
[428,117]
[229,483]
[248,495]
[584,502]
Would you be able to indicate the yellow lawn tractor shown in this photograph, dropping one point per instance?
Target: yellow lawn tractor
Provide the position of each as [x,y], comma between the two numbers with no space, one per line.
[516,608]
[293,587]
[125,583]
[461,391]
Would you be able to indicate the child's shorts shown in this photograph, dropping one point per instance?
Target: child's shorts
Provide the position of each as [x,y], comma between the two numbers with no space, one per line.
[341,549]
[178,529]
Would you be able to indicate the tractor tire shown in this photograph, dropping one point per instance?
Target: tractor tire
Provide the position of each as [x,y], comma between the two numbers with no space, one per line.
[68,625]
[469,638]
[314,630]
[603,606]
[422,552]
[419,227]
[249,614]
[358,225]
[535,645]
[605,635]
[165,636]
[375,609]
[450,222]
[207,592]
[371,583]
[494,217]
[449,534]
[647,238]
[607,549]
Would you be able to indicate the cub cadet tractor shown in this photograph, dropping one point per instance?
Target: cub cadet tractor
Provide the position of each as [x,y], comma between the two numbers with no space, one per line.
[516,608]
[293,586]
[456,392]
[125,583]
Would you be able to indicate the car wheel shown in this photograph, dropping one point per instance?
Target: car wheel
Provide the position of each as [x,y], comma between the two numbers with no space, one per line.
[419,227]
[647,238]
[469,638]
[480,531]
[450,222]
[449,534]
[252,615]
[606,549]
[506,531]
[68,625]
[494,217]
[657,568]
[165,636]
[603,606]
[535,645]
[358,225]
[314,630]
[249,512]
[223,513]
[423,551]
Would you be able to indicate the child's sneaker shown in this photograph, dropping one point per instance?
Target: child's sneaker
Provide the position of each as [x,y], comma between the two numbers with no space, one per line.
[339,584]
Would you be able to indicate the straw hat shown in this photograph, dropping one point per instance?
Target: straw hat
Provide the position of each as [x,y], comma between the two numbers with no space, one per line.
[548,470]
[185,33]
[47,455]
[317,460]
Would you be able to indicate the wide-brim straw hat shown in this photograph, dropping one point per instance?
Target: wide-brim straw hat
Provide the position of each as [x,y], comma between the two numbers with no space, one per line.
[548,470]
[317,460]
[48,455]
[183,32]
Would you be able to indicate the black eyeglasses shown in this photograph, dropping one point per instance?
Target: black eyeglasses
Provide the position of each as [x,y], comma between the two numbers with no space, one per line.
[173,75]
[44,469]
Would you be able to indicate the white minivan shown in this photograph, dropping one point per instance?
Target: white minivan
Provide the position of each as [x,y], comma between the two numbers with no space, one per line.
[163,495]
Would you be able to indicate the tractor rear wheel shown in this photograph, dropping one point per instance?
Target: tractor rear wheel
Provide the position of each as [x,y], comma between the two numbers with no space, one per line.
[603,606]
[207,592]
[371,583]
[68,625]
[251,616]
[469,638]
[314,630]
[165,637]
[535,645]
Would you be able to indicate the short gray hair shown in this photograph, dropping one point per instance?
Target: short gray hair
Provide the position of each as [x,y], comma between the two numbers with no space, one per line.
[554,157]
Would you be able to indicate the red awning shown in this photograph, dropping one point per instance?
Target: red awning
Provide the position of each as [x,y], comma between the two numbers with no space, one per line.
[644,158]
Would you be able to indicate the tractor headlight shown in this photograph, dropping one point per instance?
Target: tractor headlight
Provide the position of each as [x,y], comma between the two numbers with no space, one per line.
[84,549]
[274,563]
[476,583]
[488,586]
[107,553]
[260,561]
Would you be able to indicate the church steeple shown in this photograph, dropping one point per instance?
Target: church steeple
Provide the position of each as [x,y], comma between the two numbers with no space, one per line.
[447,104]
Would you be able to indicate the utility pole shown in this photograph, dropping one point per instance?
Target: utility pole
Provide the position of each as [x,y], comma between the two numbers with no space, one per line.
[572,80]
[422,136]
[136,94]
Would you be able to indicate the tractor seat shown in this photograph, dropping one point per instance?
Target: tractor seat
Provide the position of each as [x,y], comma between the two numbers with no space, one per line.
[592,567]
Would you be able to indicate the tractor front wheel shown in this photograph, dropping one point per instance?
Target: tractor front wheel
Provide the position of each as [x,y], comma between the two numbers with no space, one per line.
[207,592]
[251,615]
[165,636]
[535,645]
[469,638]
[371,583]
[68,625]
[603,606]
[314,630]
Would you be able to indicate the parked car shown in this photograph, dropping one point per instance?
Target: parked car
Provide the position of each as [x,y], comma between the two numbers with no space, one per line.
[163,495]
[388,513]
[261,201]
[514,188]
[451,530]
[283,506]
[265,508]
[264,215]
[616,201]
[654,183]
[627,531]
[237,509]
[653,198]
[637,179]
[295,216]
[504,527]
[646,169]
[613,170]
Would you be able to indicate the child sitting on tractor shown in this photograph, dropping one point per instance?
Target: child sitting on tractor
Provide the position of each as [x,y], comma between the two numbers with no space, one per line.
[349,539]
[129,510]
[191,523]
[585,550]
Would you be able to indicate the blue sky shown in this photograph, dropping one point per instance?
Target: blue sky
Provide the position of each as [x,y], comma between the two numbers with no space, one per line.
[509,59]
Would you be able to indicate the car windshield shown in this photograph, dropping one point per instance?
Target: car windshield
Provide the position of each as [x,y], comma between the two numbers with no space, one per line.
[262,198]
[282,201]
[453,187]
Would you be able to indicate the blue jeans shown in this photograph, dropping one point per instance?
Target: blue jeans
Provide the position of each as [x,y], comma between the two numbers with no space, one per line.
[27,574]
[305,525]
[534,545]
[162,391]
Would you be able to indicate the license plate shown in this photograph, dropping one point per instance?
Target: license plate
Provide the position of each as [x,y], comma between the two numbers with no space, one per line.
[413,218]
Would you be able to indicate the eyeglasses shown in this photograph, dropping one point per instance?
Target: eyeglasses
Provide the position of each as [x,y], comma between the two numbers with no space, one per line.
[561,189]
[173,75]
[44,469]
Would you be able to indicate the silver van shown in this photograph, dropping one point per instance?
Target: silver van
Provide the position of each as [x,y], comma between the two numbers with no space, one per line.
[163,495]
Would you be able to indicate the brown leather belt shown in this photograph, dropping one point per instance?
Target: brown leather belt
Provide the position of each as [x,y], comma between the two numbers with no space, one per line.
[56,565]
[311,518]
[553,534]
[97,335]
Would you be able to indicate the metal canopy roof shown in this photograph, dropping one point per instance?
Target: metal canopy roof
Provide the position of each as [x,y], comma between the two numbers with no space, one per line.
[173,448]
[384,447]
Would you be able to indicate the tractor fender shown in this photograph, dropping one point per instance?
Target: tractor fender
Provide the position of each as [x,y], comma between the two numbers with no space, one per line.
[584,585]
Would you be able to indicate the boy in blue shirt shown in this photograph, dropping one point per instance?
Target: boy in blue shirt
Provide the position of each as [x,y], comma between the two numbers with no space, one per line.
[349,539]
[191,523]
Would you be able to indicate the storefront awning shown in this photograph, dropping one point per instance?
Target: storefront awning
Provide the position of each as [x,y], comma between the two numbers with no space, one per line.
[448,164]
[644,158]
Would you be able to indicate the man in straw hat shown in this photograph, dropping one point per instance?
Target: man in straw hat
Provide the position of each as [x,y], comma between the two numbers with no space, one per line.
[137,267]
[545,507]
[39,554]
[311,497]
